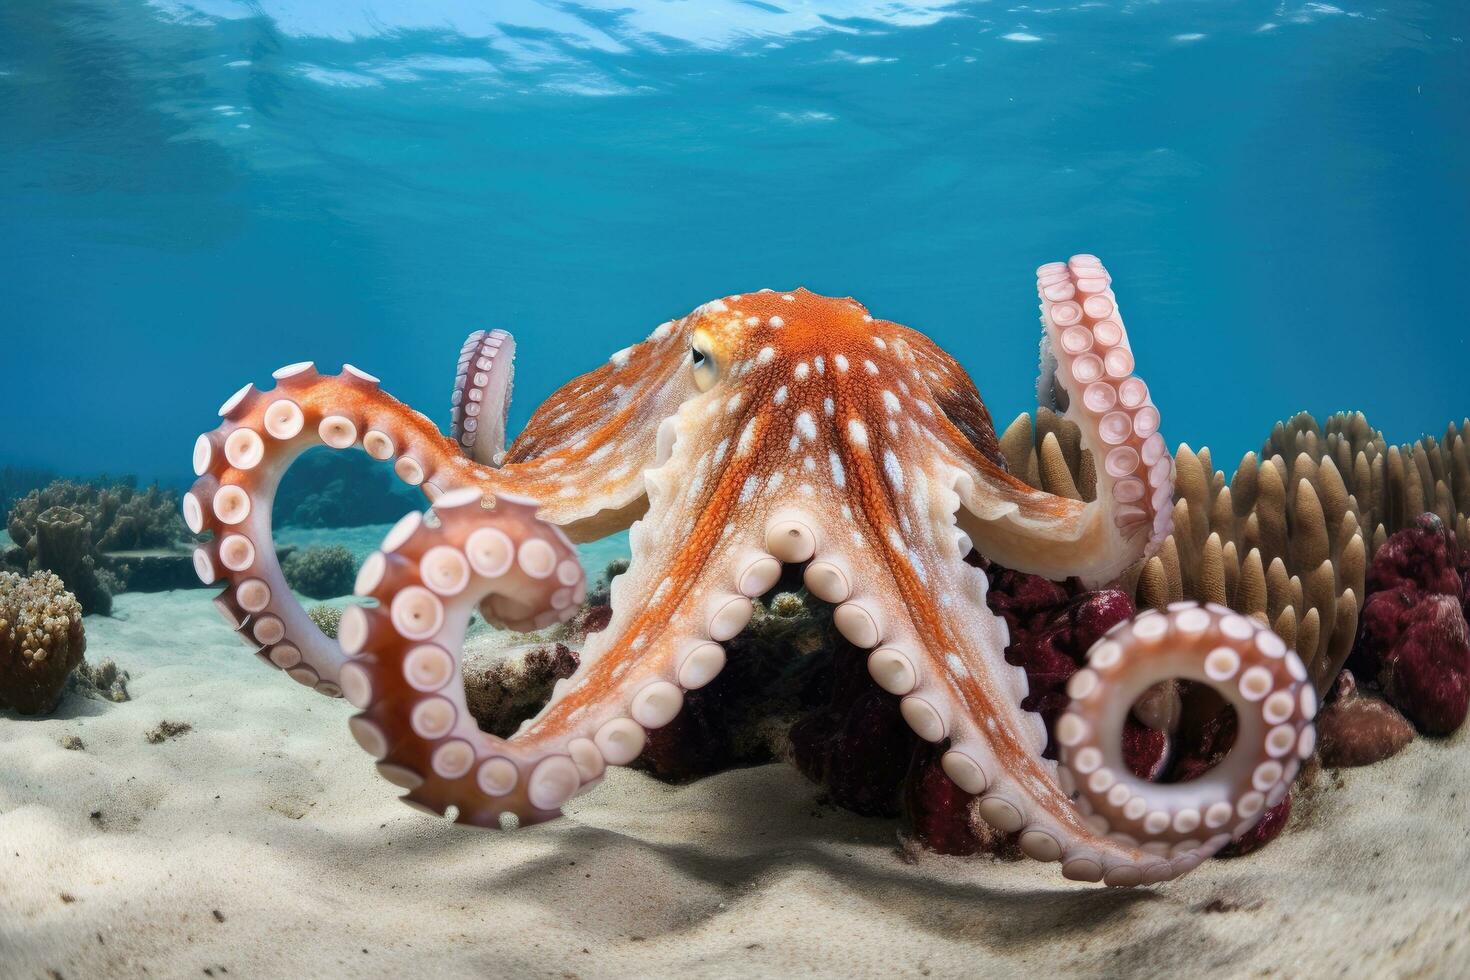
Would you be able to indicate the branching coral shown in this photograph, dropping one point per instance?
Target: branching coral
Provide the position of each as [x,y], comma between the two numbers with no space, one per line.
[321,572]
[41,640]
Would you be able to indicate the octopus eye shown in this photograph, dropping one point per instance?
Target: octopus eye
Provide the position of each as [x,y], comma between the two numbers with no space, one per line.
[705,372]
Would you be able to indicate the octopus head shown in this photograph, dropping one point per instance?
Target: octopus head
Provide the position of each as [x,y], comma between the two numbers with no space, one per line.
[731,337]
[754,384]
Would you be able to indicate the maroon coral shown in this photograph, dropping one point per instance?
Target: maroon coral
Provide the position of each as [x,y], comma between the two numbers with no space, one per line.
[1052,627]
[858,746]
[1414,640]
[1426,672]
[1423,555]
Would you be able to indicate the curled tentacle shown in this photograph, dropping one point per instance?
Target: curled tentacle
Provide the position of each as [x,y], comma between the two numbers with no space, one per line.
[1181,824]
[404,674]
[1087,371]
[481,398]
[631,678]
[921,611]
[240,465]
[687,590]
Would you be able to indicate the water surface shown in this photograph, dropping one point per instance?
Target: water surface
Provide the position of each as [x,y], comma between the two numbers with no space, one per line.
[194,192]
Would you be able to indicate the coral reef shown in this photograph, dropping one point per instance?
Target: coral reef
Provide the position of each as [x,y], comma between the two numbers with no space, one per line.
[66,527]
[325,489]
[321,572]
[41,640]
[1288,538]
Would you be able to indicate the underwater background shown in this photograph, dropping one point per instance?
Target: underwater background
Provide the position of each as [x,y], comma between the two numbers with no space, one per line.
[194,192]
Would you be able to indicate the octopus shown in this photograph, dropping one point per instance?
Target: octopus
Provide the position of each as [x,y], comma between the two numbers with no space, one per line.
[760,431]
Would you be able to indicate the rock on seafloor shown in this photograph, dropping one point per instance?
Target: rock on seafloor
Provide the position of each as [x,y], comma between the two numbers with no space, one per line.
[1358,729]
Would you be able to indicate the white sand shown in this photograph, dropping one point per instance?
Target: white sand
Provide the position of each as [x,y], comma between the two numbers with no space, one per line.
[115,859]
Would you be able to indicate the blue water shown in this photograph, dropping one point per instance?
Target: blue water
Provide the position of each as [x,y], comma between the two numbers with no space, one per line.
[194,192]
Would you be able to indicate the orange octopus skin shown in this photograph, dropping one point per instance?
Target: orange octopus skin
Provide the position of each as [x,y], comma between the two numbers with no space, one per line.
[762,429]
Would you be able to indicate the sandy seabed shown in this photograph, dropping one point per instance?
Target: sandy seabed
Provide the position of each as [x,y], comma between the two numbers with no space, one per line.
[262,844]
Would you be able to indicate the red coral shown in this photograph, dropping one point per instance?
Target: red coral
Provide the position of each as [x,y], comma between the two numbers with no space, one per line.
[937,812]
[859,749]
[1050,641]
[1423,555]
[1052,627]
[859,746]
[1413,640]
[1206,748]
[1426,673]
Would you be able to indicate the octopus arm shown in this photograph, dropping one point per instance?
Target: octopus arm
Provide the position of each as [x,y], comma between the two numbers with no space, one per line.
[687,590]
[921,610]
[1088,373]
[240,465]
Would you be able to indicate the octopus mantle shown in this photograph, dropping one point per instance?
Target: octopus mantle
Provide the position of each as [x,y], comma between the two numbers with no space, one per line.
[760,430]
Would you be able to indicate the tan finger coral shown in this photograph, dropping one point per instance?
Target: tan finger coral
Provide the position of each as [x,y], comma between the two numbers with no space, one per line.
[41,640]
[1288,538]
